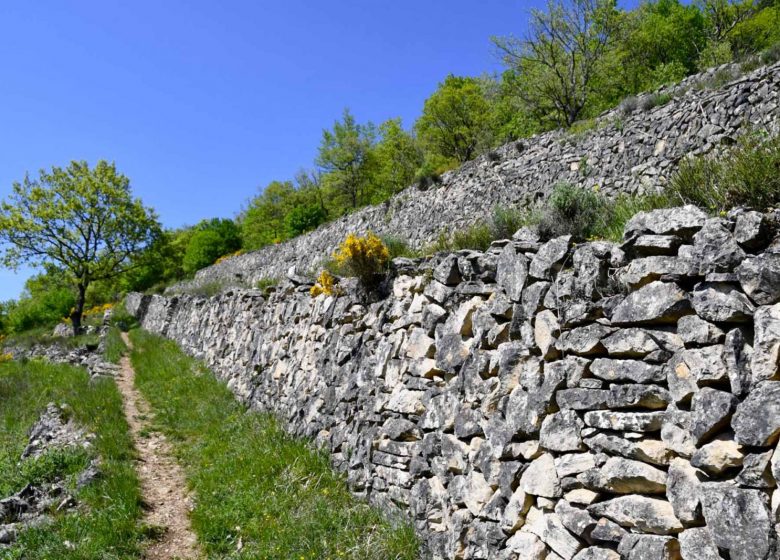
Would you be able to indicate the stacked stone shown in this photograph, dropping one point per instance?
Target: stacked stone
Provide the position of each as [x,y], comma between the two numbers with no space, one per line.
[624,154]
[538,400]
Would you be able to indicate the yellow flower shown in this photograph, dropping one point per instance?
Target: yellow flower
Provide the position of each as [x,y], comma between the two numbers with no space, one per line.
[326,284]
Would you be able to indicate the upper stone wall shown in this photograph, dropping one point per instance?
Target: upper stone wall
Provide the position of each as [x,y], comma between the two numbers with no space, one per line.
[626,154]
[558,401]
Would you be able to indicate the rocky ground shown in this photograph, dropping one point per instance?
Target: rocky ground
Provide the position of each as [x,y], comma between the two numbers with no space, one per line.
[34,504]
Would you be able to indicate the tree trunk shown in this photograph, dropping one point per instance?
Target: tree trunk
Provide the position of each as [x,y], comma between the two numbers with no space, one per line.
[78,310]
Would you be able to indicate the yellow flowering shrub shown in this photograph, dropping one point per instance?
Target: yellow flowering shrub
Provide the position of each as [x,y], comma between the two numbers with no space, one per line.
[326,284]
[226,257]
[7,357]
[364,257]
[98,309]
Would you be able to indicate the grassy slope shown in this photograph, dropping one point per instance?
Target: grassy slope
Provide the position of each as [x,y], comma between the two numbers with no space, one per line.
[107,529]
[253,484]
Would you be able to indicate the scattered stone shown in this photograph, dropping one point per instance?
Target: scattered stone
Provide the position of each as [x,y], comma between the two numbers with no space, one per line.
[751,230]
[649,547]
[718,456]
[626,370]
[540,478]
[698,544]
[549,256]
[549,528]
[511,272]
[582,399]
[715,248]
[765,362]
[630,343]
[757,419]
[584,341]
[597,553]
[695,331]
[711,411]
[657,302]
[561,432]
[757,471]
[721,303]
[760,278]
[624,476]
[447,272]
[738,520]
[625,421]
[683,485]
[683,222]
[649,515]
[638,396]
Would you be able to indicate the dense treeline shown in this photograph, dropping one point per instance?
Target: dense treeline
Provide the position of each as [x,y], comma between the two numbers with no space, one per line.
[579,58]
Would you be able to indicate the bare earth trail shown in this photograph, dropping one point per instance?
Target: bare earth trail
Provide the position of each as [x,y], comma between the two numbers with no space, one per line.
[163,486]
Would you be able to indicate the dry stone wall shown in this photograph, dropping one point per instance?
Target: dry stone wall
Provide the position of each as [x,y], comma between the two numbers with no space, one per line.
[626,153]
[538,400]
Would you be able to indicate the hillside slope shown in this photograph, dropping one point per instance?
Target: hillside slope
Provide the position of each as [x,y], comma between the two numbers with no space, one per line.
[625,153]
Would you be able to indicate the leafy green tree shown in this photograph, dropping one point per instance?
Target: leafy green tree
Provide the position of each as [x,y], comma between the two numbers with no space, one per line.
[455,121]
[345,155]
[82,220]
[303,218]
[212,239]
[46,299]
[559,59]
[263,221]
[657,43]
[398,157]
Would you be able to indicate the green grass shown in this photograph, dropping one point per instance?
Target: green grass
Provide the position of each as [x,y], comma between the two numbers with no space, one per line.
[251,481]
[115,346]
[106,527]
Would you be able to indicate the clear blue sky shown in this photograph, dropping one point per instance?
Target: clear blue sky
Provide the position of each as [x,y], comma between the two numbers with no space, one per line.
[200,103]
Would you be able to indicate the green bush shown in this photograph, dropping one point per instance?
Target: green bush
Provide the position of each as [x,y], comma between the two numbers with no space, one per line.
[398,247]
[748,175]
[504,222]
[572,211]
[211,240]
[305,218]
[44,310]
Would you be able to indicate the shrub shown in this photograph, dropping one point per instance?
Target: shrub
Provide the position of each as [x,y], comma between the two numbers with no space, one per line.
[363,257]
[771,55]
[264,284]
[223,258]
[748,175]
[572,211]
[655,100]
[628,105]
[326,284]
[504,222]
[43,310]
[6,357]
[399,248]
[305,218]
[617,213]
